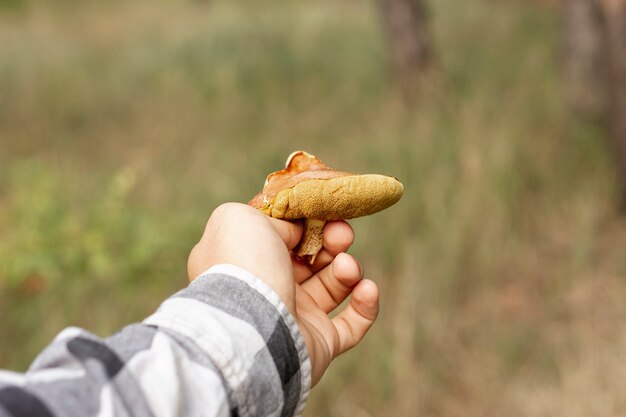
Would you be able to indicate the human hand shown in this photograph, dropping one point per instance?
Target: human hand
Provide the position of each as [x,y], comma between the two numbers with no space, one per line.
[240,235]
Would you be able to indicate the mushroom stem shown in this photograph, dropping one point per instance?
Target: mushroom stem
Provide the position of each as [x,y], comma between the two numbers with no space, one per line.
[312,240]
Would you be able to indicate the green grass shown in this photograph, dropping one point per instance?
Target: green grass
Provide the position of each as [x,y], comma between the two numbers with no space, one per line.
[502,270]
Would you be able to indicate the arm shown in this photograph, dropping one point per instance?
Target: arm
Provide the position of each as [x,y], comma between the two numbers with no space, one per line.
[201,354]
[249,336]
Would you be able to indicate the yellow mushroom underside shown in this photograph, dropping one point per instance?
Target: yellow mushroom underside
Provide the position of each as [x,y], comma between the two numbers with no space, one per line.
[322,200]
[338,198]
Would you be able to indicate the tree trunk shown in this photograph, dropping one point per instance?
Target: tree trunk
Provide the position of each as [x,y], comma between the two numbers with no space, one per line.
[614,25]
[584,69]
[405,24]
[595,70]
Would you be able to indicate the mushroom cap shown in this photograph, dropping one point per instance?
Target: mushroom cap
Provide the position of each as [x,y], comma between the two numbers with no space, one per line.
[307,188]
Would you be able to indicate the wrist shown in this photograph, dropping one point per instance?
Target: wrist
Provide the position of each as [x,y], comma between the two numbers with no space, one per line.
[263,334]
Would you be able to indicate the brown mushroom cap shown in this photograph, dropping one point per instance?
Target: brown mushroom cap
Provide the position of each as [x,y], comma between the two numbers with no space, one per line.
[307,188]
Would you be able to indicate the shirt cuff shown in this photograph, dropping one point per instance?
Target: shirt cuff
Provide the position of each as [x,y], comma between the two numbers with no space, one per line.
[244,327]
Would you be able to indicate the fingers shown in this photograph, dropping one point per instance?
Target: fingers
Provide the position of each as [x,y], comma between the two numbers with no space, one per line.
[301,270]
[355,320]
[338,237]
[332,285]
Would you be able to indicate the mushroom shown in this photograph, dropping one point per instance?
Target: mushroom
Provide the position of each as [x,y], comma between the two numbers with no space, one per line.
[310,190]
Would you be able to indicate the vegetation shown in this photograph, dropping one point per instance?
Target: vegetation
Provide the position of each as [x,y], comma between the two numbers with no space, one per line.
[502,270]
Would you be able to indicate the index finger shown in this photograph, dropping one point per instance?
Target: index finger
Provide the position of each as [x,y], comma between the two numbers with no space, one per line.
[338,237]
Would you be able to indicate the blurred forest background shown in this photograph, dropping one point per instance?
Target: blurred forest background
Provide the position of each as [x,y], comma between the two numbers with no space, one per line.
[502,270]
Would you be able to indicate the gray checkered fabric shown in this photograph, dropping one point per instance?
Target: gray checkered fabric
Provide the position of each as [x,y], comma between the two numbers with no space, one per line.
[224,346]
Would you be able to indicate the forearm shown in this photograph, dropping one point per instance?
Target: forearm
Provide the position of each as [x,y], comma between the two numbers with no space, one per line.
[225,345]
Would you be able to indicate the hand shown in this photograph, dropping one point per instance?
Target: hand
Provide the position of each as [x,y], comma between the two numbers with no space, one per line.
[242,236]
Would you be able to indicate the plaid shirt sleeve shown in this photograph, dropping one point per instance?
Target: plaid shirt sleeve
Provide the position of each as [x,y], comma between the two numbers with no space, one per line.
[224,346]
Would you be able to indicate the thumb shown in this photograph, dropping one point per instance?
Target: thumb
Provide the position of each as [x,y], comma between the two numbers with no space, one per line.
[289,232]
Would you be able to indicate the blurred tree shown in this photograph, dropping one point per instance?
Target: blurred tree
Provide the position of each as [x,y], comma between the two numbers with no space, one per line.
[583,67]
[614,35]
[595,69]
[406,27]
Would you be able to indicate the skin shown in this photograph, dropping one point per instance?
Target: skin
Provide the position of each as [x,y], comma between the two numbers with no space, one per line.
[239,234]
